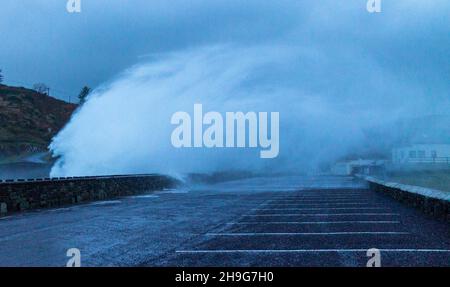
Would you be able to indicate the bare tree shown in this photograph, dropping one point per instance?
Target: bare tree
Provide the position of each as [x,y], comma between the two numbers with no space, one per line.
[41,88]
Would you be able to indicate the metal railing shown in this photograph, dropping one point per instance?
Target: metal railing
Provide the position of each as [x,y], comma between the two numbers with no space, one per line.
[437,160]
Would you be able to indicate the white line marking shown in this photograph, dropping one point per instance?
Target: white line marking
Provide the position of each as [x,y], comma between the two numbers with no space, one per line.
[321,196]
[312,196]
[174,192]
[321,208]
[312,251]
[307,233]
[315,199]
[313,222]
[312,201]
[6,217]
[320,204]
[320,214]
[106,202]
[144,196]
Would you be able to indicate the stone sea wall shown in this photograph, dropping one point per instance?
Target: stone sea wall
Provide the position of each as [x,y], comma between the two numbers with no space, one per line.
[21,195]
[435,203]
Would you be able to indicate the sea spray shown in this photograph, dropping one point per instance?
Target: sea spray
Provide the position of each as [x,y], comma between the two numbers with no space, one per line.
[125,126]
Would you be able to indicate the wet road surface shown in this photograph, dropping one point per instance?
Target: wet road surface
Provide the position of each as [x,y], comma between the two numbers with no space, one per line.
[285,221]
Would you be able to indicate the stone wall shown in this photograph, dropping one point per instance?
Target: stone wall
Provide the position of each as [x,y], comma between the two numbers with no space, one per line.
[434,203]
[21,195]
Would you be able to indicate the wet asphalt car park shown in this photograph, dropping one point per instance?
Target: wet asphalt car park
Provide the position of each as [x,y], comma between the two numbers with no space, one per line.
[278,221]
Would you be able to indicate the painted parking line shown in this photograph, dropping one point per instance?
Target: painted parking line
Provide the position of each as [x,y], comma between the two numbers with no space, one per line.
[315,251]
[315,222]
[6,217]
[322,198]
[320,195]
[322,203]
[323,208]
[313,205]
[321,214]
[145,196]
[317,204]
[103,203]
[316,200]
[308,233]
[317,196]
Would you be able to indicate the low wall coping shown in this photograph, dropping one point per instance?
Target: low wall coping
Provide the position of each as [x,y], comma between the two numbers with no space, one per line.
[427,192]
[73,178]
[21,195]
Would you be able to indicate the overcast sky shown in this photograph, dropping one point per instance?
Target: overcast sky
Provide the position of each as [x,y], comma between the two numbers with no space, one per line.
[408,40]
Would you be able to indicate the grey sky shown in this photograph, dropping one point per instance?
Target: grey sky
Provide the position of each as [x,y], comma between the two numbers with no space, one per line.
[409,41]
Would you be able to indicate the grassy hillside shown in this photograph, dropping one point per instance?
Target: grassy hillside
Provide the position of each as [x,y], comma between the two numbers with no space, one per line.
[29,120]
